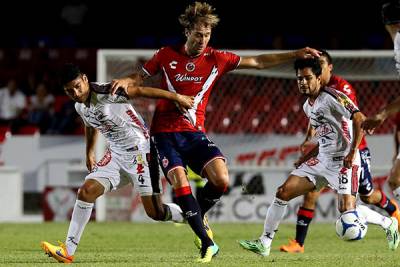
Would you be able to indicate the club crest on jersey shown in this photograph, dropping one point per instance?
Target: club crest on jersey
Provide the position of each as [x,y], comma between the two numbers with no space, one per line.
[165,162]
[190,66]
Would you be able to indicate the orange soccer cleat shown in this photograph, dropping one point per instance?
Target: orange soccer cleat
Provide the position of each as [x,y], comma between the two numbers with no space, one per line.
[57,252]
[292,247]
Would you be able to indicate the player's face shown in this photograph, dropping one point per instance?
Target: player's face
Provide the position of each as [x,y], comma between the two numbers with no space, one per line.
[308,83]
[197,39]
[78,89]
[326,70]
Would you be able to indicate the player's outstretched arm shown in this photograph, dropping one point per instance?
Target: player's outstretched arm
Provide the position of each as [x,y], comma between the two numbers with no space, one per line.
[134,79]
[150,92]
[374,121]
[264,61]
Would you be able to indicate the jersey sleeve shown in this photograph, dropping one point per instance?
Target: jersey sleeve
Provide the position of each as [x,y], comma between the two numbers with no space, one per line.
[342,104]
[79,111]
[152,66]
[230,60]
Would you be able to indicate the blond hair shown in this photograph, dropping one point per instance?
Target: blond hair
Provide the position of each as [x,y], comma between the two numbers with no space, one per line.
[198,13]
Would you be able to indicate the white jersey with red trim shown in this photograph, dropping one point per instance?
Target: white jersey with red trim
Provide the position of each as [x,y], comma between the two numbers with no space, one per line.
[115,117]
[193,76]
[330,115]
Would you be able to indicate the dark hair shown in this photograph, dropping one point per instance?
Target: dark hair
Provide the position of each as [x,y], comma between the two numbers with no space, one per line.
[68,72]
[325,53]
[312,63]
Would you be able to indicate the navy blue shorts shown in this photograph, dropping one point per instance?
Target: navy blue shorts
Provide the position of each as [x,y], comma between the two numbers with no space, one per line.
[365,186]
[185,148]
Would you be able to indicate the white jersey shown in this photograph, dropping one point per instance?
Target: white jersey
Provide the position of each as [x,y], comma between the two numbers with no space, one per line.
[330,115]
[115,117]
[397,51]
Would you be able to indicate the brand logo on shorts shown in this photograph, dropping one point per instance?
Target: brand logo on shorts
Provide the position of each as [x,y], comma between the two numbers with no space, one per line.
[165,162]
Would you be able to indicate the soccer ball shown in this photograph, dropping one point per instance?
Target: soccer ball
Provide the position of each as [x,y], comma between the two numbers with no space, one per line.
[350,226]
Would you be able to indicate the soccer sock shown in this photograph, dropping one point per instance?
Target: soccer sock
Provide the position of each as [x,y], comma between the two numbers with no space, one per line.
[80,217]
[396,193]
[191,210]
[373,216]
[304,217]
[386,204]
[272,219]
[174,213]
[208,197]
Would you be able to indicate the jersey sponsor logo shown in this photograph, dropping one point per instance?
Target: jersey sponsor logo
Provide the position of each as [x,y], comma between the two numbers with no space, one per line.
[190,66]
[105,160]
[187,78]
[172,64]
[312,162]
[138,123]
[323,130]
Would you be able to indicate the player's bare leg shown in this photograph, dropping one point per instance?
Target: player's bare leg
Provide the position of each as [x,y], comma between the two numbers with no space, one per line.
[159,211]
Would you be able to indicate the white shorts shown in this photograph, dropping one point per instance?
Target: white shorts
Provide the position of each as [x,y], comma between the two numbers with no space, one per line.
[323,171]
[121,169]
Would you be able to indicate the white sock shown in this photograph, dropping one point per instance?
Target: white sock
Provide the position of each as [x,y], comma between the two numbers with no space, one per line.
[373,216]
[176,212]
[80,217]
[396,193]
[272,219]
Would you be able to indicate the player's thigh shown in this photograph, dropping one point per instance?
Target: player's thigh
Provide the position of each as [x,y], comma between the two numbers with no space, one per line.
[294,186]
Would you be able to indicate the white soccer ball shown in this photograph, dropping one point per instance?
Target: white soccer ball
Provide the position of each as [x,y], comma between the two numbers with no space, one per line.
[350,226]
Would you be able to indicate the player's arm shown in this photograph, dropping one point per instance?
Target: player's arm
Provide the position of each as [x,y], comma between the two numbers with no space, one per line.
[150,92]
[374,121]
[307,149]
[358,134]
[134,79]
[91,138]
[264,61]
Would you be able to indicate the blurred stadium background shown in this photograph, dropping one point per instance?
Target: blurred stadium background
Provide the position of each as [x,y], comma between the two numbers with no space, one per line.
[255,117]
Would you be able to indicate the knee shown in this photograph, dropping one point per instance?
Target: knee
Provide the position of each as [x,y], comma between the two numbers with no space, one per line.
[283,193]
[222,182]
[88,193]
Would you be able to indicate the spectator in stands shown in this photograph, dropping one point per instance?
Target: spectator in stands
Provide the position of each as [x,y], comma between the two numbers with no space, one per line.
[12,105]
[41,107]
[193,68]
[391,19]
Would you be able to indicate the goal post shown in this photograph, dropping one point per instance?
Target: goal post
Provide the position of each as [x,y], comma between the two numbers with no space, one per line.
[256,118]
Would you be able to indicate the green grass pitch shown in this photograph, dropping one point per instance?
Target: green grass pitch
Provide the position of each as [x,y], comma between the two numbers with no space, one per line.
[164,244]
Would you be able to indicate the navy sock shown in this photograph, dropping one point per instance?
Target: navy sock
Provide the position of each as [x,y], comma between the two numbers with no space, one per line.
[304,217]
[208,197]
[191,211]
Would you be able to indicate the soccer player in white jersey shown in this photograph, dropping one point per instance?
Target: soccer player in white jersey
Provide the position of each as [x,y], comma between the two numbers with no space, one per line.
[127,160]
[337,122]
[391,19]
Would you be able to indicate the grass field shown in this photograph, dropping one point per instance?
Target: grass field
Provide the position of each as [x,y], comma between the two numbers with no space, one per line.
[164,244]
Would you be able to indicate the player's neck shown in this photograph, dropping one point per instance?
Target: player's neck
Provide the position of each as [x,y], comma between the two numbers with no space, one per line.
[190,53]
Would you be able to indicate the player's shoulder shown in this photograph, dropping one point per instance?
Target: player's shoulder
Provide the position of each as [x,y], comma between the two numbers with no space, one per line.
[100,88]
[330,92]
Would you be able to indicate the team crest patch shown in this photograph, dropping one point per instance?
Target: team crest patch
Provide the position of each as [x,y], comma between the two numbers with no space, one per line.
[165,162]
[190,66]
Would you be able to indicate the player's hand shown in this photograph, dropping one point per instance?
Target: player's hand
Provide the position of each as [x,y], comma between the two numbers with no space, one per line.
[123,83]
[348,160]
[185,101]
[90,162]
[307,52]
[371,123]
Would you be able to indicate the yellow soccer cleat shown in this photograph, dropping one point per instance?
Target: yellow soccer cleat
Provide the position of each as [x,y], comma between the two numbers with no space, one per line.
[57,252]
[197,240]
[207,256]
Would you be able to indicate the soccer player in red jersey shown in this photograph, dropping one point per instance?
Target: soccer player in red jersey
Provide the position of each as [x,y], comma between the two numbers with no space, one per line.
[193,69]
[368,194]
